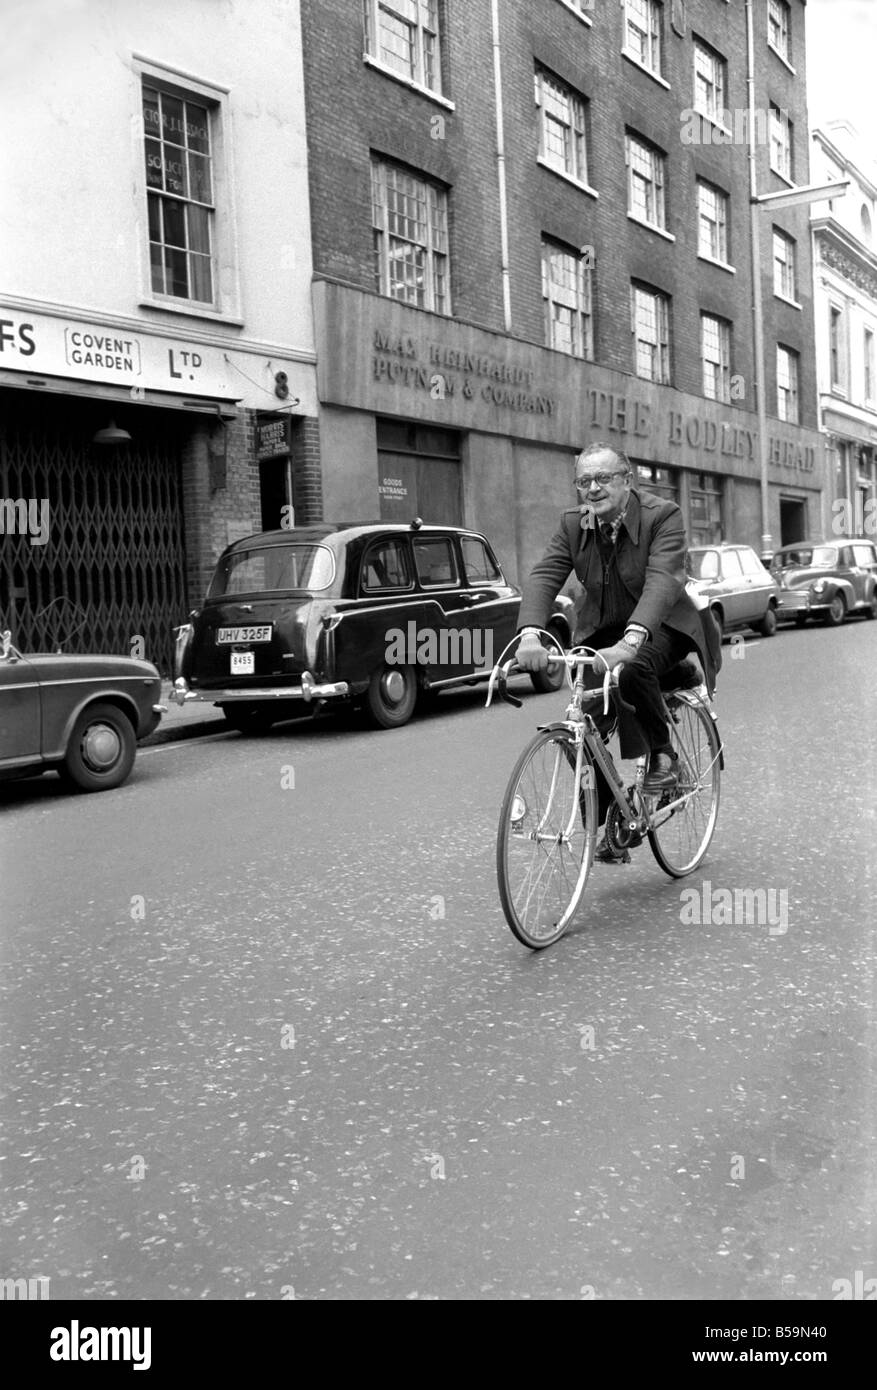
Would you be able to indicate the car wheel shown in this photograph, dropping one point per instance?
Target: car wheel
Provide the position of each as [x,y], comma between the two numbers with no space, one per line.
[837,611]
[871,606]
[801,619]
[546,682]
[768,625]
[101,750]
[391,696]
[250,719]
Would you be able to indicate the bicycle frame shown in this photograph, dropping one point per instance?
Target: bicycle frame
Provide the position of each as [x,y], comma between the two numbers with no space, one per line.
[580,724]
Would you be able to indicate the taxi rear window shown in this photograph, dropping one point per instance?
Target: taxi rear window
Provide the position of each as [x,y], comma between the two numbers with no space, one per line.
[300,566]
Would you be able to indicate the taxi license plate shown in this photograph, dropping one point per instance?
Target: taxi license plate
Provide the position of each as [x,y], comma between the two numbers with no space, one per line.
[258,633]
[243,663]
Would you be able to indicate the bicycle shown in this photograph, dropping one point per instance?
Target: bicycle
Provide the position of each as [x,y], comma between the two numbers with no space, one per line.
[548,822]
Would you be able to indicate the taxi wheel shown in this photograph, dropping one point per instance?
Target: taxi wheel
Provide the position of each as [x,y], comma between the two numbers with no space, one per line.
[249,719]
[101,750]
[391,696]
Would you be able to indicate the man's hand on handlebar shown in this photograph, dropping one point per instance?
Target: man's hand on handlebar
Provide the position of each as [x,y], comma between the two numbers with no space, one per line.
[531,655]
[610,657]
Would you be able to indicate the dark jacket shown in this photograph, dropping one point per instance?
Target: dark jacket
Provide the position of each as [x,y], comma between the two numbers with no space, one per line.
[650,555]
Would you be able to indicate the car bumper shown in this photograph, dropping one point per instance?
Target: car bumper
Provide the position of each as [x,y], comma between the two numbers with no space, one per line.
[152,721]
[307,690]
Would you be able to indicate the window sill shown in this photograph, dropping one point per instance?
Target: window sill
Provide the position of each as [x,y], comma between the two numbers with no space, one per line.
[408,82]
[716,125]
[650,226]
[785,298]
[577,12]
[722,265]
[780,175]
[783,59]
[569,178]
[637,63]
[190,311]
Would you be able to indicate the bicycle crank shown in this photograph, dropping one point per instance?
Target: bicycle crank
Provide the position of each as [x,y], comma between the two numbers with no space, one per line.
[620,834]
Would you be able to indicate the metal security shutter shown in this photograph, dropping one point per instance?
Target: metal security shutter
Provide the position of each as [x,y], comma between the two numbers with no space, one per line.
[112,569]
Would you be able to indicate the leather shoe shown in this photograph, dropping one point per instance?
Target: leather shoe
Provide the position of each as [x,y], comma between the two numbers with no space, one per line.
[662,772]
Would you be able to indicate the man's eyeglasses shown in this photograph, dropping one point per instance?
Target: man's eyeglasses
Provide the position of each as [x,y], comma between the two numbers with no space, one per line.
[601,479]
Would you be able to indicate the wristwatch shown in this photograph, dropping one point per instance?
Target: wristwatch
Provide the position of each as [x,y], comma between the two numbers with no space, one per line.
[525,631]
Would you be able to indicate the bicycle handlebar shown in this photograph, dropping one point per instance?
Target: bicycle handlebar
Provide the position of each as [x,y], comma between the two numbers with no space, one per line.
[572,660]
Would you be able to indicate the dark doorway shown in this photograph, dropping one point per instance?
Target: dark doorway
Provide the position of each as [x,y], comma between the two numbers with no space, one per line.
[793,520]
[419,473]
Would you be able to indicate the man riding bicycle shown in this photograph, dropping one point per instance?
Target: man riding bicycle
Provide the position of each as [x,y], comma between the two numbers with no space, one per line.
[628,551]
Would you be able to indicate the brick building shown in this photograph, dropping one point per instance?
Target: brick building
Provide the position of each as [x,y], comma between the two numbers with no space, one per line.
[155,272]
[531,228]
[845,299]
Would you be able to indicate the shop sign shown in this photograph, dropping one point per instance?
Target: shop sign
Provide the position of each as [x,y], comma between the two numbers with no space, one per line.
[445,372]
[273,437]
[44,345]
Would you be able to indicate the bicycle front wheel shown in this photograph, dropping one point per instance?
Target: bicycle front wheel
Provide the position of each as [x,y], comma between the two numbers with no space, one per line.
[682,834]
[547,832]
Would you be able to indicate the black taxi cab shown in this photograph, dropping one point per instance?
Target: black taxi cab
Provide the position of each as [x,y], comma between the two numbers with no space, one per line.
[382,615]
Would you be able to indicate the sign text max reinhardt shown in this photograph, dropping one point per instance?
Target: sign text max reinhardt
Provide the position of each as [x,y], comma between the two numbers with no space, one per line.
[451,372]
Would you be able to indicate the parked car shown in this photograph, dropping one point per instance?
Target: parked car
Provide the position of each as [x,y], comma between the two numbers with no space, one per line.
[739,590]
[827,579]
[381,615]
[81,715]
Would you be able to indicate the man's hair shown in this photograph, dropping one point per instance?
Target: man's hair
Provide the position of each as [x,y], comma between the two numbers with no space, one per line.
[601,447]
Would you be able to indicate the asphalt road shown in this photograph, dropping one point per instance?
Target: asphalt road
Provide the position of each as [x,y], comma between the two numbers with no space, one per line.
[265,1033]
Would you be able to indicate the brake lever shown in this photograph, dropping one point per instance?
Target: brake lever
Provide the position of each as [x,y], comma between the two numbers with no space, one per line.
[499,682]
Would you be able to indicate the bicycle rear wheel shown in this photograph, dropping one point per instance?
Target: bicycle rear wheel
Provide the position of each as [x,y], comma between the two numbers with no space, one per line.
[682,836]
[545,843]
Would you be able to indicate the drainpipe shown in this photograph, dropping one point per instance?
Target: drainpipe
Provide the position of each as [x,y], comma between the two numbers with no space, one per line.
[757,310]
[500,171]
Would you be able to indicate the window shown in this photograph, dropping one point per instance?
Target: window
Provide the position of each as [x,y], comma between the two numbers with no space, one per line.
[566,295]
[787,385]
[705,514]
[642,32]
[715,341]
[784,273]
[481,568]
[645,181]
[869,364]
[710,82]
[835,346]
[561,127]
[650,312]
[179,192]
[660,481]
[751,563]
[436,565]
[386,566]
[410,219]
[712,222]
[274,569]
[403,35]
[779,20]
[864,555]
[780,142]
